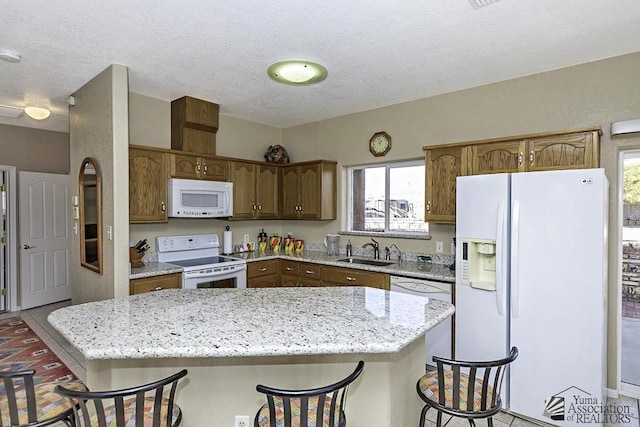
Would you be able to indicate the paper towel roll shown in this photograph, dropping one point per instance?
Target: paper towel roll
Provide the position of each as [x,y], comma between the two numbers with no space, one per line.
[227,243]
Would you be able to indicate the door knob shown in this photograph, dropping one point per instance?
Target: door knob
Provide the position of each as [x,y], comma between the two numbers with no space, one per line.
[25,246]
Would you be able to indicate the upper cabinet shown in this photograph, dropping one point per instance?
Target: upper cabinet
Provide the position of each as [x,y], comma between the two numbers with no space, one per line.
[148,174]
[255,190]
[308,190]
[194,124]
[442,166]
[190,166]
[575,149]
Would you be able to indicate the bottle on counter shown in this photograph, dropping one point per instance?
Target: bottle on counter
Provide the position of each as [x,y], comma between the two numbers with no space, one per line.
[349,248]
[262,241]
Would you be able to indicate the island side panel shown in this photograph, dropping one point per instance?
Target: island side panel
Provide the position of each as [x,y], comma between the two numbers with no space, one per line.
[217,389]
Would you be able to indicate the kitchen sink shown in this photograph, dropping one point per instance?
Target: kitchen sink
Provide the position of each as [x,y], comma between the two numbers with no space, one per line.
[366,261]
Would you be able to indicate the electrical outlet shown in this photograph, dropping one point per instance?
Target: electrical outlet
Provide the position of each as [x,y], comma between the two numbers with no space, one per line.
[241,421]
[245,238]
[439,247]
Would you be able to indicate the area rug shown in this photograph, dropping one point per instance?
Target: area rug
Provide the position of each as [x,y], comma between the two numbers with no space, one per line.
[21,348]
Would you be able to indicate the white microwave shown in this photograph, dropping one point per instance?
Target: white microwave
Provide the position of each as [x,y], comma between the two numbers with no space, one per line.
[191,198]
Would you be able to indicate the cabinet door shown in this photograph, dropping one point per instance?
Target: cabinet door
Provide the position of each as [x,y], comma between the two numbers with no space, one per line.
[186,166]
[243,176]
[310,191]
[289,281]
[267,194]
[290,189]
[442,167]
[148,174]
[498,157]
[198,141]
[155,283]
[214,169]
[571,151]
[340,276]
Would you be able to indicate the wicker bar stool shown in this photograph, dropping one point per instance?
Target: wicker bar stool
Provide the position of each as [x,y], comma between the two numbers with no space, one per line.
[318,407]
[469,390]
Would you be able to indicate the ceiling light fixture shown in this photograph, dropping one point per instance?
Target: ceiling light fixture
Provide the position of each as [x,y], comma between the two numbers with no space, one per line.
[37,112]
[9,111]
[297,72]
[9,56]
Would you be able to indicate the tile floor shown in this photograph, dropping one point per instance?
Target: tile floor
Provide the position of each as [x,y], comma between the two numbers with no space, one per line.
[36,318]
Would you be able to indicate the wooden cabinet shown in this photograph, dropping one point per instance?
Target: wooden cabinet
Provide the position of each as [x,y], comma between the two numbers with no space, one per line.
[340,276]
[188,166]
[263,274]
[155,283]
[575,149]
[289,273]
[310,274]
[308,190]
[255,190]
[442,166]
[148,174]
[498,157]
[194,124]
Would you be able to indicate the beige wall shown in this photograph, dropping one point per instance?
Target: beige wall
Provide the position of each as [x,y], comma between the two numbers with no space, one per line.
[34,150]
[99,129]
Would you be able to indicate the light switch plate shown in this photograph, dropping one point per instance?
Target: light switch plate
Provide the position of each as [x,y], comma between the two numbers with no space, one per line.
[439,247]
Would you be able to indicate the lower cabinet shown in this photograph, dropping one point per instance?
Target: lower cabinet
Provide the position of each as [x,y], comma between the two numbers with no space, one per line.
[155,283]
[299,273]
[263,274]
[340,276]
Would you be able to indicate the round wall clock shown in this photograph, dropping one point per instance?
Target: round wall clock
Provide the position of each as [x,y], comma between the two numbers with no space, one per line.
[380,144]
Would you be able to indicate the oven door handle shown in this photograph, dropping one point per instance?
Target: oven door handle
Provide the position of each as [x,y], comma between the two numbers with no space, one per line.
[213,274]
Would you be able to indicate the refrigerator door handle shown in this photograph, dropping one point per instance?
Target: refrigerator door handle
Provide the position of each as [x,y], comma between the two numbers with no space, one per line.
[515,259]
[501,258]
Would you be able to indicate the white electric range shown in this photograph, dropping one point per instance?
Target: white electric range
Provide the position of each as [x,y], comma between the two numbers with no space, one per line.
[203,267]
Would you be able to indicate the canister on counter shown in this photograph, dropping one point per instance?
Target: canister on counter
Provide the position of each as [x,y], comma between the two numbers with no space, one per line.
[298,245]
[275,243]
[288,243]
[262,241]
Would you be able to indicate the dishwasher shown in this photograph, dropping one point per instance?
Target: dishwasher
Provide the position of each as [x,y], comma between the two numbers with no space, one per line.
[438,340]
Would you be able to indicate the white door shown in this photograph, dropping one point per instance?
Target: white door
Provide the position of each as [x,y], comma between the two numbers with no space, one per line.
[558,297]
[45,238]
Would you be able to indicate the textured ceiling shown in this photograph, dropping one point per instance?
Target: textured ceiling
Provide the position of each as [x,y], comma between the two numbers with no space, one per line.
[378,52]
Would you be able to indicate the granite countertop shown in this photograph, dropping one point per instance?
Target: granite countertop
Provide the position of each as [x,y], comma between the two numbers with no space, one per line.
[194,323]
[419,270]
[415,269]
[154,268]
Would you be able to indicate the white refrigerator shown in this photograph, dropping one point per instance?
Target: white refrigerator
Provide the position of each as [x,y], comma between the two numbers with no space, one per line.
[531,256]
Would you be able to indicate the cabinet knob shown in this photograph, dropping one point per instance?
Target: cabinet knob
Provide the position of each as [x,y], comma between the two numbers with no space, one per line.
[159,288]
[206,169]
[309,271]
[351,279]
[289,269]
[531,158]
[263,269]
[259,206]
[429,206]
[520,157]
[163,207]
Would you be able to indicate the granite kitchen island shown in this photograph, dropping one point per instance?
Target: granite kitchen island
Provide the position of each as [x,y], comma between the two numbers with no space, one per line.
[230,340]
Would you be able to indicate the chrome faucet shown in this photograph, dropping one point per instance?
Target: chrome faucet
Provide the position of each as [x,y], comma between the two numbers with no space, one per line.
[376,248]
[399,252]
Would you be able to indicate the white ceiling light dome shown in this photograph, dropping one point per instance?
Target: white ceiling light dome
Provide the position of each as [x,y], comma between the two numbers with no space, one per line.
[37,112]
[297,72]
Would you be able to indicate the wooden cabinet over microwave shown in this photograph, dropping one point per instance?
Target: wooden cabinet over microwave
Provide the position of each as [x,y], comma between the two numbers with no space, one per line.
[148,174]
[189,166]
